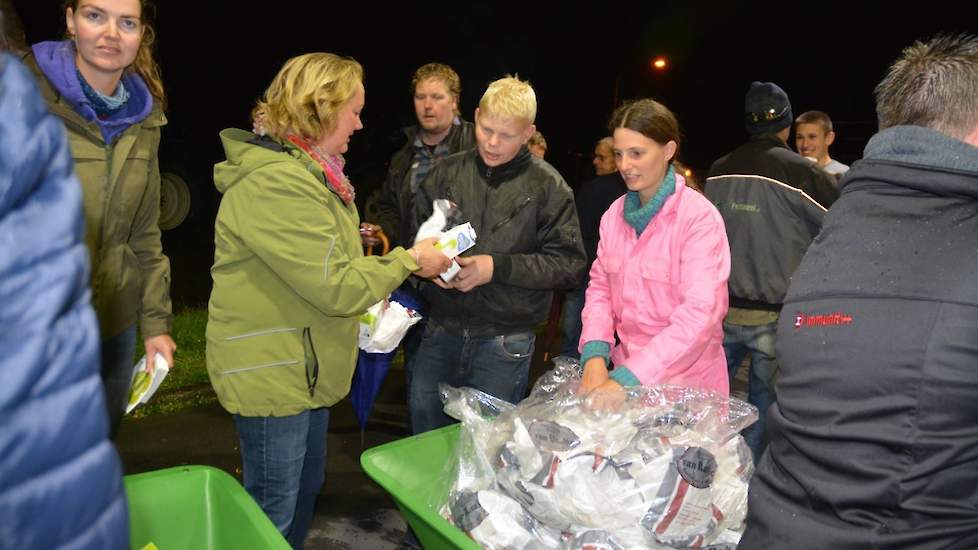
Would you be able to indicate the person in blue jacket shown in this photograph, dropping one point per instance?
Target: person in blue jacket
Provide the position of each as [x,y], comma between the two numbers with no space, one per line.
[60,476]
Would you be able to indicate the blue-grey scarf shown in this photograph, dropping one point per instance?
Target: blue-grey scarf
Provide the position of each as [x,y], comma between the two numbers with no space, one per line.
[639,216]
[104,105]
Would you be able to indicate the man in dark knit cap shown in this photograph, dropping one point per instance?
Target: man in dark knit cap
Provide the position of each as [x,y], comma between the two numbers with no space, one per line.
[772,201]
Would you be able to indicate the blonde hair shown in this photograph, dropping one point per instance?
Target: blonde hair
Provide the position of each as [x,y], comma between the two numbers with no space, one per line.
[509,98]
[144,65]
[538,140]
[442,73]
[306,95]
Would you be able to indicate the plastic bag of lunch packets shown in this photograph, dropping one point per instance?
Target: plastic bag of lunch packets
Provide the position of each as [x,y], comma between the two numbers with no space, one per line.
[666,469]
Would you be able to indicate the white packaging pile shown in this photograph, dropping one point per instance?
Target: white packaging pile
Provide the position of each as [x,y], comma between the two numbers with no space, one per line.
[668,469]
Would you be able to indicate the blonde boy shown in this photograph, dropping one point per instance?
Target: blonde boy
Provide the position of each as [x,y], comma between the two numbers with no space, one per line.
[481,325]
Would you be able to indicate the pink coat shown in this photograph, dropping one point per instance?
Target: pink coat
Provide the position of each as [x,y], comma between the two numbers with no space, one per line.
[664,293]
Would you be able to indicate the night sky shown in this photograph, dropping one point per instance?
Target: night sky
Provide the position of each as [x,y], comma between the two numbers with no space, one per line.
[217,58]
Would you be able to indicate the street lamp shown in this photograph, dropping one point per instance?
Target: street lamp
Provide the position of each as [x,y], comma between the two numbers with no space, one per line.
[658,63]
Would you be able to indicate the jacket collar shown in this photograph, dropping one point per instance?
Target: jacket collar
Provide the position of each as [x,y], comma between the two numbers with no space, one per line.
[917,158]
[498,174]
[671,206]
[413,133]
[769,139]
[922,146]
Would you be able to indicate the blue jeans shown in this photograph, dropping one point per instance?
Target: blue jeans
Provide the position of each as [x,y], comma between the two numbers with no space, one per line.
[118,360]
[571,323]
[284,461]
[497,365]
[759,341]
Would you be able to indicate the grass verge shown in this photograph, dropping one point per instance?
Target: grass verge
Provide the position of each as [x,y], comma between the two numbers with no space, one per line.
[187,384]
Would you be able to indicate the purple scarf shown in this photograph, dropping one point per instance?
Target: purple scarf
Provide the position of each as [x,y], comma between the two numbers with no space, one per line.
[57,61]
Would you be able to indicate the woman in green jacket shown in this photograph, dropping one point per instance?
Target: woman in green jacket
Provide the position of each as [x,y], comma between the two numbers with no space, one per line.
[291,281]
[103,83]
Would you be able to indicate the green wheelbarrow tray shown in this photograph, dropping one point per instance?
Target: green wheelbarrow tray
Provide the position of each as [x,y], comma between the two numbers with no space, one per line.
[412,471]
[196,507]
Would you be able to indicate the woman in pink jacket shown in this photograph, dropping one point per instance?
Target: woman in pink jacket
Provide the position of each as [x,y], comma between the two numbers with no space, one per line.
[660,278]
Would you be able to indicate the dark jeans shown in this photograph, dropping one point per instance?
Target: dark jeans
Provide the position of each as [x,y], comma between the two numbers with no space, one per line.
[497,365]
[118,354]
[284,461]
[410,344]
[570,321]
[759,341]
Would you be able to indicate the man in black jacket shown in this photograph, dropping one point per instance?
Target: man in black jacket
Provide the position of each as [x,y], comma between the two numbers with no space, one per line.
[593,199]
[772,201]
[440,132]
[874,440]
[481,325]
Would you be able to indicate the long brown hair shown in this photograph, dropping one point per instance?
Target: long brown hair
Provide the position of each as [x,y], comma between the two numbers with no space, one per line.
[649,118]
[11,30]
[144,65]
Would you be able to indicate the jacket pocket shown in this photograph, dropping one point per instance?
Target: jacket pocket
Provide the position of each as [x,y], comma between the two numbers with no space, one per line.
[259,349]
[658,289]
[312,361]
[262,366]
[132,179]
[522,204]
[129,274]
[516,346]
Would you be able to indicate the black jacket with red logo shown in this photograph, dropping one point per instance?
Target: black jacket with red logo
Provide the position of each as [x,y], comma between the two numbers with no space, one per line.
[874,440]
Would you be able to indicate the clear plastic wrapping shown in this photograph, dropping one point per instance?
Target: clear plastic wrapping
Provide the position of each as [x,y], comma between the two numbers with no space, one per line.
[666,469]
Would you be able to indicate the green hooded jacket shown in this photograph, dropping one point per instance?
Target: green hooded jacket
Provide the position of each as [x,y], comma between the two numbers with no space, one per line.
[121,190]
[290,282]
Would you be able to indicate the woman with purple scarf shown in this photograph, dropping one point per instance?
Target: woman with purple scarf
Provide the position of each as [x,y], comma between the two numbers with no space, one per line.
[104,85]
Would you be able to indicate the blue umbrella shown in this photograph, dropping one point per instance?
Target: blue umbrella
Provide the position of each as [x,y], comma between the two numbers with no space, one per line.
[372,367]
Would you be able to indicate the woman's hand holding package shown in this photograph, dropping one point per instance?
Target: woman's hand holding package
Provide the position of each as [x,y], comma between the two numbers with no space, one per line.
[430,260]
[609,396]
[603,393]
[595,374]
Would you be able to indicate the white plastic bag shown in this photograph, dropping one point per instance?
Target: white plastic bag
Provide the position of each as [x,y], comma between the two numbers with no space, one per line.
[384,325]
[145,383]
[668,469]
[453,237]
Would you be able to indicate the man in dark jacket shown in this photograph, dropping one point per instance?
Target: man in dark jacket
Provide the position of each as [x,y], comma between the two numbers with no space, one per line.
[593,199]
[60,476]
[481,325]
[772,201]
[874,440]
[439,133]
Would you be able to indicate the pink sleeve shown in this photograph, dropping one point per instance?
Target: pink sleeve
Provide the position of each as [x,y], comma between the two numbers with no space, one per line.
[704,270]
[597,318]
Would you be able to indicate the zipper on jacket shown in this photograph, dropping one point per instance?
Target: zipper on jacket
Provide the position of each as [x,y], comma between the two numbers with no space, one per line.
[512,215]
[312,362]
[106,201]
[258,333]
